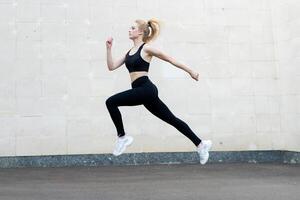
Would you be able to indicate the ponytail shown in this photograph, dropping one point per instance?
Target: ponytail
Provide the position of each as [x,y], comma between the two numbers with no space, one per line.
[150,28]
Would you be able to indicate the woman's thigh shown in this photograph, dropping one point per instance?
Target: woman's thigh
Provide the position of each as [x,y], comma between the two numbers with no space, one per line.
[158,108]
[128,97]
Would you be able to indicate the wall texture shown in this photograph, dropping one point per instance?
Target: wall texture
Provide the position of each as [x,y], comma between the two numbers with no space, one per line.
[54,78]
[286,28]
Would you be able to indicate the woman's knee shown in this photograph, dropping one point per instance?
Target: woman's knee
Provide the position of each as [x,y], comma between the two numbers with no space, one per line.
[110,102]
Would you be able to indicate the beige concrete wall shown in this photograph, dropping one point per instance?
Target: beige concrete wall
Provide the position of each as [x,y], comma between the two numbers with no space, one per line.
[286,23]
[54,78]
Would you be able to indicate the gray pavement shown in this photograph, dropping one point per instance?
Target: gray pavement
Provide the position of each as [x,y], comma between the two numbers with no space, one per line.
[189,181]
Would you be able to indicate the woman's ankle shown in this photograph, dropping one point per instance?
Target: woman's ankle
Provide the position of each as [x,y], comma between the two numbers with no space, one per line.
[199,144]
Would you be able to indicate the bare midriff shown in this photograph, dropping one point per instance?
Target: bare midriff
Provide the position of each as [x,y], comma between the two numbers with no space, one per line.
[135,75]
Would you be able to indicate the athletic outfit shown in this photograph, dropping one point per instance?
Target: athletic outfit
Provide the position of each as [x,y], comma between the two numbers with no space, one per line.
[144,92]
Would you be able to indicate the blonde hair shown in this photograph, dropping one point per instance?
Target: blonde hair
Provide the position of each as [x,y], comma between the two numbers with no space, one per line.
[150,28]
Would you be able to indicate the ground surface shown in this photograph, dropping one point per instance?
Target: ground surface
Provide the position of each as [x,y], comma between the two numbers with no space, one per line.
[163,182]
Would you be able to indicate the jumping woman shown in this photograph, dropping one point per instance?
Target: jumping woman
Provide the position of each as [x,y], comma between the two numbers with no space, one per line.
[143,91]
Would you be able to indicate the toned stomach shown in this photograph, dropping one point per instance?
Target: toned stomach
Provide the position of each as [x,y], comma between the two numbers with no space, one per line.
[135,75]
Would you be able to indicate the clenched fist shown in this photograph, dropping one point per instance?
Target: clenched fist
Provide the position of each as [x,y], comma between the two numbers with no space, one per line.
[194,75]
[109,42]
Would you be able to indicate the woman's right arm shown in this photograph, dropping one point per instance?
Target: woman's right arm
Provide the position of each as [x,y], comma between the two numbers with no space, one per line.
[110,62]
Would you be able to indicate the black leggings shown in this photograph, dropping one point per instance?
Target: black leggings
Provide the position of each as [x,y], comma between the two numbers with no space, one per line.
[145,92]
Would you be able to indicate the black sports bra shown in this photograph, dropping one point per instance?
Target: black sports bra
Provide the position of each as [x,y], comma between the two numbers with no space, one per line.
[135,62]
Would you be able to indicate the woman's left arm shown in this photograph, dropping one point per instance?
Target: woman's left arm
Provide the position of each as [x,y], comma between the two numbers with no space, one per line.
[159,54]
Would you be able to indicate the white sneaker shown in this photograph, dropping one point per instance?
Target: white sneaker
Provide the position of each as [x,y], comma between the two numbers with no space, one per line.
[121,144]
[203,150]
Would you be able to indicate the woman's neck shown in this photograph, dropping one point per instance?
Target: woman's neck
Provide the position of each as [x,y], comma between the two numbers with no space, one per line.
[137,43]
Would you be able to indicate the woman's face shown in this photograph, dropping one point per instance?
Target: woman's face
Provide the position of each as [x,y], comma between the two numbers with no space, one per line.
[134,32]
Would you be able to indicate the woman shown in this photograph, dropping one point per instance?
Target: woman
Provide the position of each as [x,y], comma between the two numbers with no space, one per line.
[137,61]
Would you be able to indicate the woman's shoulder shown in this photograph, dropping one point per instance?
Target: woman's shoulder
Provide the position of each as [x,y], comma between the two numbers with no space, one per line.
[151,48]
[148,47]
